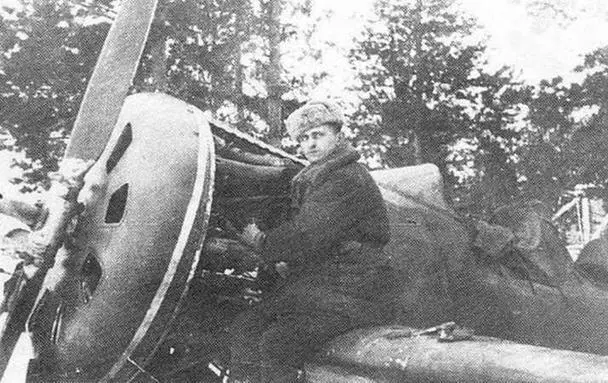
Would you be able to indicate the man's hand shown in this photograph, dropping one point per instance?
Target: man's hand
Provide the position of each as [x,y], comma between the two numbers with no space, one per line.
[282,269]
[252,236]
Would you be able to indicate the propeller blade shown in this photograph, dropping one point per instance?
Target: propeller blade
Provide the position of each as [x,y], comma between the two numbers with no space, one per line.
[16,370]
[111,79]
[99,110]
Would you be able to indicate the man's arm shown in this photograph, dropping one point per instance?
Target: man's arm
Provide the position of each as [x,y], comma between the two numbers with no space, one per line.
[325,218]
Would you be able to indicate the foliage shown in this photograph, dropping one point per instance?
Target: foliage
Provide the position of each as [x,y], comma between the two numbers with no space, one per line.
[424,91]
[425,95]
[497,129]
[564,150]
[213,54]
[200,45]
[48,56]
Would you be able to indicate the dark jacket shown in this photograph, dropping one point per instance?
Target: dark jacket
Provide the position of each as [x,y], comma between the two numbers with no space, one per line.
[339,225]
[333,245]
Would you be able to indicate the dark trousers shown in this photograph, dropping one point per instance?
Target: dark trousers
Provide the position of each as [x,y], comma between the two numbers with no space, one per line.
[271,342]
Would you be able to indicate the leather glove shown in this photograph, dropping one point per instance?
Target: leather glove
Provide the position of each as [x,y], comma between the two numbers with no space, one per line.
[252,236]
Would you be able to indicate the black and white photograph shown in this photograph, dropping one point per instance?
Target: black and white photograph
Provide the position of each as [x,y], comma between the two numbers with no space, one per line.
[284,191]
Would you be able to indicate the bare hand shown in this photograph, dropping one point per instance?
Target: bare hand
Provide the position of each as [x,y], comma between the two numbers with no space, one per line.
[252,236]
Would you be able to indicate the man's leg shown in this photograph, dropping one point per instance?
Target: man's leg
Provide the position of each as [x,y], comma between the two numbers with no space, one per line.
[301,321]
[292,339]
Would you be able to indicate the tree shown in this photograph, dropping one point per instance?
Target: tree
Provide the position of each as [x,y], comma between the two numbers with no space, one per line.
[225,57]
[564,150]
[273,74]
[193,51]
[424,91]
[49,53]
[222,56]
[497,128]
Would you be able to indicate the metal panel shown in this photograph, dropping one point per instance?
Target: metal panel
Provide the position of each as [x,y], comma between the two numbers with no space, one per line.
[138,242]
[111,79]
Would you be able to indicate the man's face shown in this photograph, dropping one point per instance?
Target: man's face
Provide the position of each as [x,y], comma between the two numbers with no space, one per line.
[317,142]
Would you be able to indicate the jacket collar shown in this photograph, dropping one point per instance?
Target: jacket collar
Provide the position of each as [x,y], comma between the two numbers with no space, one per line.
[319,171]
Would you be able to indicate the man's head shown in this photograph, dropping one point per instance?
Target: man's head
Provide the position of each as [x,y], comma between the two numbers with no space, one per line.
[318,142]
[316,126]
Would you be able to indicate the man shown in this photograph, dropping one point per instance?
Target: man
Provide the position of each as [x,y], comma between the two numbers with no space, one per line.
[333,248]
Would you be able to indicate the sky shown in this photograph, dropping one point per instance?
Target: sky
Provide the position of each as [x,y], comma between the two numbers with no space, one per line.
[545,45]
[537,47]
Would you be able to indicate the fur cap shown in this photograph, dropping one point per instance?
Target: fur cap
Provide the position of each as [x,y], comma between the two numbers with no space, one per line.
[312,115]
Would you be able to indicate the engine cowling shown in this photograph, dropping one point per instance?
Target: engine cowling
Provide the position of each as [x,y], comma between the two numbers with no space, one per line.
[136,245]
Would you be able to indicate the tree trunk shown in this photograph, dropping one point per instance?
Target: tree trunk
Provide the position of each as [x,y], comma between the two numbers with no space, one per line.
[273,75]
[159,65]
[415,142]
[158,55]
[418,124]
[239,76]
